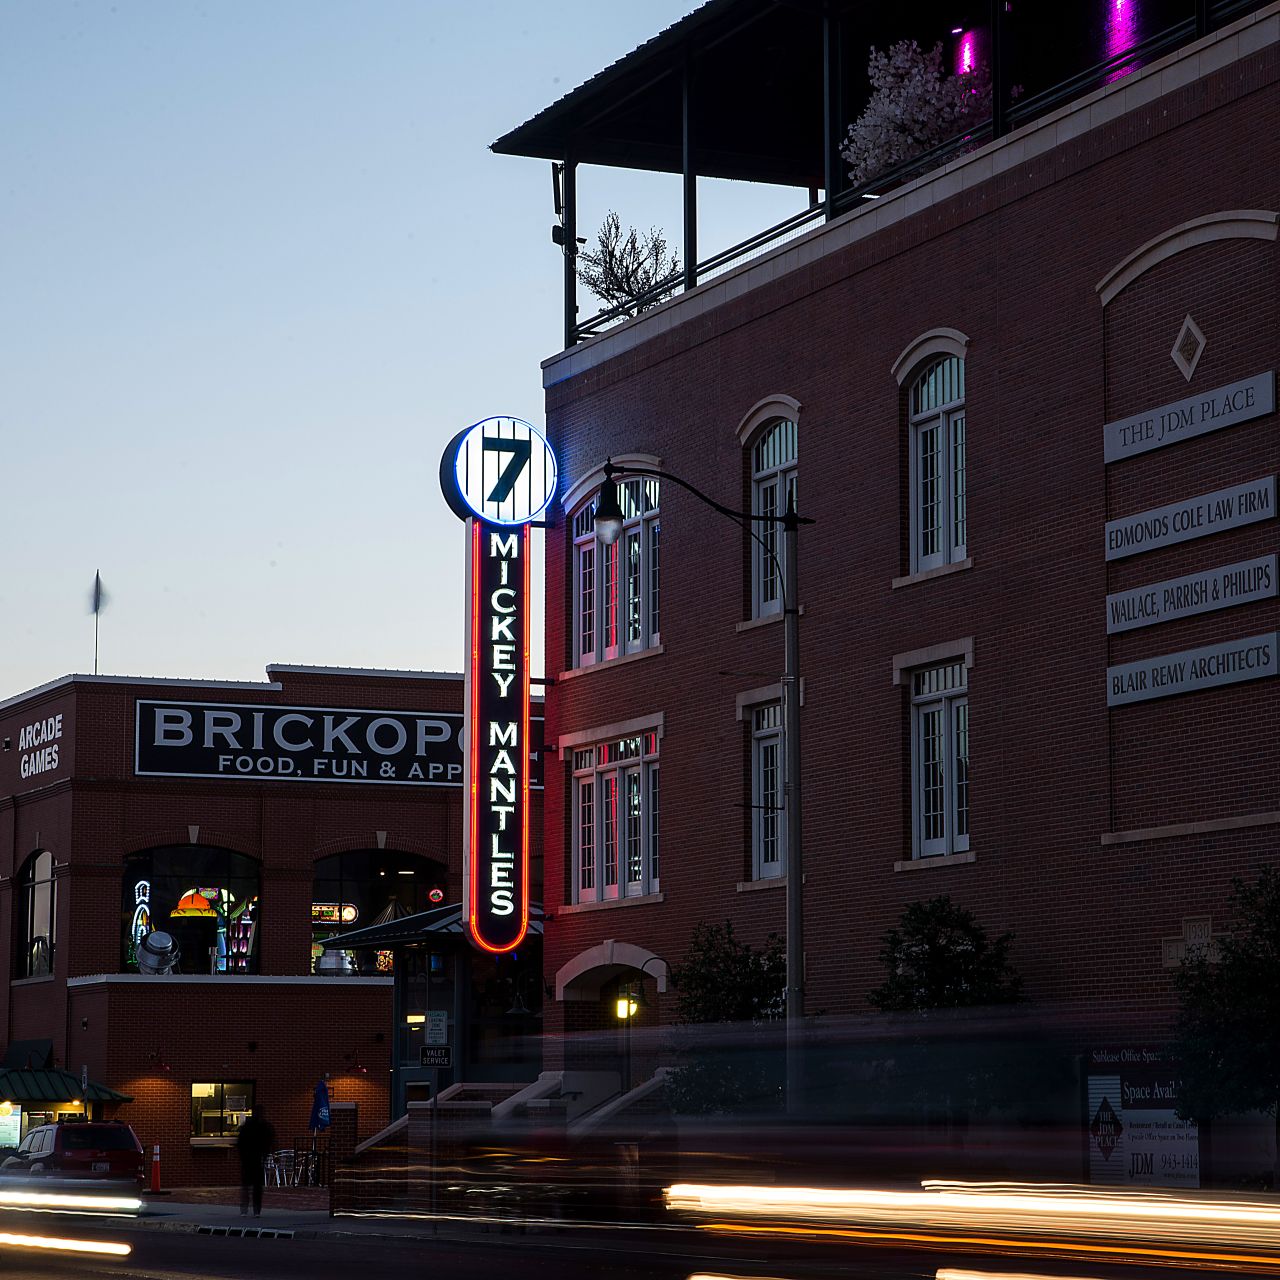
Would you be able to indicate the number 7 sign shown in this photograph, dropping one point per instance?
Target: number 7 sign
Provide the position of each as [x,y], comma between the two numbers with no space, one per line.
[501,470]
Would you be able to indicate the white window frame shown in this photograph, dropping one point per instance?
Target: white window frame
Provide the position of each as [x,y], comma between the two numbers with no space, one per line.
[945,415]
[624,617]
[772,479]
[768,812]
[615,853]
[940,697]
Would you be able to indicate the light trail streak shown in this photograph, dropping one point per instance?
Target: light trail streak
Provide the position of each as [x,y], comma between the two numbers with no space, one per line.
[955,1273]
[998,1244]
[63,1245]
[68,1200]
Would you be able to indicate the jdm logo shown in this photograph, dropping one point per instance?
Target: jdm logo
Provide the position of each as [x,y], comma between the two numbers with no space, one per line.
[1106,1129]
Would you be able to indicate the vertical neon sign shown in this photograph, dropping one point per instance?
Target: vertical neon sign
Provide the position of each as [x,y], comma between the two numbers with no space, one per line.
[499,476]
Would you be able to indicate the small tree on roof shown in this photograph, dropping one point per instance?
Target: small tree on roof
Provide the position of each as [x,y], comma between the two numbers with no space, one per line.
[627,271]
[914,107]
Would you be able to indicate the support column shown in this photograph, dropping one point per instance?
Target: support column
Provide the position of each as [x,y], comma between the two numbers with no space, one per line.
[690,175]
[832,104]
[570,248]
[999,71]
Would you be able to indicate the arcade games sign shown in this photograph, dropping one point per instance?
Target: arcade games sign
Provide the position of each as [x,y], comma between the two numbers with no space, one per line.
[499,476]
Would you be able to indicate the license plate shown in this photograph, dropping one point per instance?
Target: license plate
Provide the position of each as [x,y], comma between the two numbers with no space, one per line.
[102,1166]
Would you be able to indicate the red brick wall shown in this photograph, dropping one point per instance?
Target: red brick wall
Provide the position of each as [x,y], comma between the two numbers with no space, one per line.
[1013,263]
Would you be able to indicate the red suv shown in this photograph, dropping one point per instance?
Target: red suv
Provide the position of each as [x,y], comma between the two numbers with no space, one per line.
[79,1149]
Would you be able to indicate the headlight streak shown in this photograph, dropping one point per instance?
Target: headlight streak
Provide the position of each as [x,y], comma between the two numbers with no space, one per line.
[949,1212]
[956,1273]
[63,1245]
[78,1201]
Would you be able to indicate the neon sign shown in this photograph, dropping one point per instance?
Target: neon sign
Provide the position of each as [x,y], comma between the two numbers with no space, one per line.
[499,476]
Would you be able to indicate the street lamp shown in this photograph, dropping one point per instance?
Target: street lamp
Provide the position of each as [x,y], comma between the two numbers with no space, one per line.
[608,526]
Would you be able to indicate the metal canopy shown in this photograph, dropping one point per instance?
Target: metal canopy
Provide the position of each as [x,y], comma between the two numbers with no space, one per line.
[53,1085]
[757,84]
[426,926]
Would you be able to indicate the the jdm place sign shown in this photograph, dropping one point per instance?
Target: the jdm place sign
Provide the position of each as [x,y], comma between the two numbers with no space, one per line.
[499,476]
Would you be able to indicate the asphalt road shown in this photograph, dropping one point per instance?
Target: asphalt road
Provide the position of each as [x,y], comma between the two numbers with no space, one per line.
[164,1255]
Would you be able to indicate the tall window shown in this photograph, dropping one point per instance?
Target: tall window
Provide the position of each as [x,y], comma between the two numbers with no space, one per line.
[37,919]
[940,759]
[938,533]
[615,818]
[768,831]
[617,602]
[773,480]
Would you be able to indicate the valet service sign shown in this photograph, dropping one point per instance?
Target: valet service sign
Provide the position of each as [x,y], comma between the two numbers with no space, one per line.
[498,476]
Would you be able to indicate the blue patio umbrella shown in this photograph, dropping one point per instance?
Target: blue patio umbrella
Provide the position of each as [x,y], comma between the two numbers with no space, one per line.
[320,1108]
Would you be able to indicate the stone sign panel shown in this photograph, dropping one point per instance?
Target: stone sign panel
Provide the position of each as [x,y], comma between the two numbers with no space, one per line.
[1193,593]
[1195,416]
[1189,518]
[1228,662]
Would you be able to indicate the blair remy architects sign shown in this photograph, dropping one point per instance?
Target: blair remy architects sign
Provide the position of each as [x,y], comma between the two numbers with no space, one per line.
[498,476]
[1230,662]
[1193,593]
[1195,416]
[1190,518]
[303,744]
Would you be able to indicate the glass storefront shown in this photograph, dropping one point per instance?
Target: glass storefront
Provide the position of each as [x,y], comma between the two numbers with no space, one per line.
[206,898]
[220,1107]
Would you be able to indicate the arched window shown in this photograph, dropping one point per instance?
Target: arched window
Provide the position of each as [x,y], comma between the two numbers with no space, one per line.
[617,598]
[937,464]
[37,915]
[206,898]
[362,887]
[774,453]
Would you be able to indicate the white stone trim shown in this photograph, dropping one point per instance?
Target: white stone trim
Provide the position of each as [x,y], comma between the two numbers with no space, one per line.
[936,342]
[767,410]
[926,575]
[1208,826]
[936,861]
[904,663]
[605,904]
[1233,224]
[601,733]
[609,958]
[587,484]
[608,664]
[363,672]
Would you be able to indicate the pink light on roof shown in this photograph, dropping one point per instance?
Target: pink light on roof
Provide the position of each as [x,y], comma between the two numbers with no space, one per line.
[967,53]
[1121,31]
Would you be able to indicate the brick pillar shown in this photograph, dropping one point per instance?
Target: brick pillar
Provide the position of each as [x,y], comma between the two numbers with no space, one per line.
[344,1125]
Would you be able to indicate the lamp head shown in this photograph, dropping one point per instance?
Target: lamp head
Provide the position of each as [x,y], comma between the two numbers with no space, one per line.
[609,517]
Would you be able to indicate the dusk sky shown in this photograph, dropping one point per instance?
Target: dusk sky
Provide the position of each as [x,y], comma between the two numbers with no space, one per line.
[258,266]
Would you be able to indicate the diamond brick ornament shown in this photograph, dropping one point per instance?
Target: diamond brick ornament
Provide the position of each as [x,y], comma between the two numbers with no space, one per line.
[1189,347]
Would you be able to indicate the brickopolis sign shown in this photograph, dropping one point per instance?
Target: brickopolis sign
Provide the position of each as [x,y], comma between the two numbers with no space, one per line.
[498,476]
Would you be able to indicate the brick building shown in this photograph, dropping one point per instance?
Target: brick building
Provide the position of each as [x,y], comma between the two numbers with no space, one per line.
[1038,657]
[248,821]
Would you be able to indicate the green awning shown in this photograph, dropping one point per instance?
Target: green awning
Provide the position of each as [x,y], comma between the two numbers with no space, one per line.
[53,1085]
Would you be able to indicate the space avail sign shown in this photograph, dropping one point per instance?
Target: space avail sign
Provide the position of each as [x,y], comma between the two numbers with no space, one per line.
[304,744]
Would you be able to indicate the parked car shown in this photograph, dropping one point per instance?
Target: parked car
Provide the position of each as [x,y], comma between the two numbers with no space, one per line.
[79,1149]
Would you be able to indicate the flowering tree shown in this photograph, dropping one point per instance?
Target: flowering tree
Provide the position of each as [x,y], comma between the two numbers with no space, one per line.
[624,271]
[914,107]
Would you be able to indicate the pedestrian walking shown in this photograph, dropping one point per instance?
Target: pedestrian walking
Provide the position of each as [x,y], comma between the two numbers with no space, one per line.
[253,1144]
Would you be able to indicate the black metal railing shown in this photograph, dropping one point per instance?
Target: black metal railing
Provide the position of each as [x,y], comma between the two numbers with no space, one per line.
[1018,114]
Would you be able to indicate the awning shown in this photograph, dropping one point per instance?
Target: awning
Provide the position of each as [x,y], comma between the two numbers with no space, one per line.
[53,1085]
[423,927]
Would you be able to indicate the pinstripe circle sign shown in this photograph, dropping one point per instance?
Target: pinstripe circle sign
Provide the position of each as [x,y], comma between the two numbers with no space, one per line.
[501,470]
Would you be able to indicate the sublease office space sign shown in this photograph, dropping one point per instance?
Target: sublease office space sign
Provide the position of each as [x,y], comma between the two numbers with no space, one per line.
[1193,593]
[1195,416]
[299,744]
[1216,664]
[1197,517]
